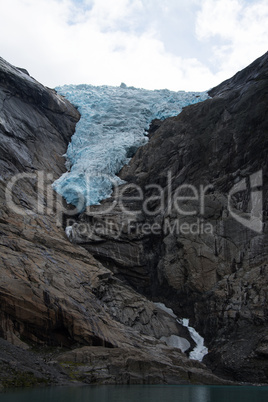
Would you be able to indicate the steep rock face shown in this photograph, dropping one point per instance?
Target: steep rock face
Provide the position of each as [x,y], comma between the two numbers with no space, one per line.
[201,255]
[36,124]
[52,292]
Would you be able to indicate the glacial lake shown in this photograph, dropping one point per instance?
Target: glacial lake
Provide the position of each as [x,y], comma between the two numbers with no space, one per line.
[138,393]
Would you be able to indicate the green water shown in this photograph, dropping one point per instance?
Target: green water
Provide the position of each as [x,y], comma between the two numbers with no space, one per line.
[139,393]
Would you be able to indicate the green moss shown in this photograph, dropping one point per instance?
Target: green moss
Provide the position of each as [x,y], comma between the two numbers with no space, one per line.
[73,371]
[22,380]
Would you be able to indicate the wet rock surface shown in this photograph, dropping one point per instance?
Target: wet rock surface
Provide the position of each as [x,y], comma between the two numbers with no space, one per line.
[20,368]
[126,366]
[54,293]
[203,258]
[36,124]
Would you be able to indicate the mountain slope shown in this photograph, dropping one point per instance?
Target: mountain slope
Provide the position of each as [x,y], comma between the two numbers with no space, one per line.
[207,254]
[54,294]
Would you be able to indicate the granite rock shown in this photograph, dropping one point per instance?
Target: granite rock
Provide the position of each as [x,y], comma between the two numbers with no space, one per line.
[54,293]
[202,258]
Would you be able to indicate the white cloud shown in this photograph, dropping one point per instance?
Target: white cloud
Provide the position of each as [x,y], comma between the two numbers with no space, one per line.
[218,17]
[145,43]
[108,15]
[60,42]
[240,29]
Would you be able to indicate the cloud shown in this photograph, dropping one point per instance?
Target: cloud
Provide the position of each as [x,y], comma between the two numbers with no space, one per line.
[144,43]
[95,42]
[239,28]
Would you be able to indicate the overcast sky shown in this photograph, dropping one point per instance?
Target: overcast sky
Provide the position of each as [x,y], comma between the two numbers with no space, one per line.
[154,44]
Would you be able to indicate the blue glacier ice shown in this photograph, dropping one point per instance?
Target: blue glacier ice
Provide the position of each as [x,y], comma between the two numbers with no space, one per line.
[113,125]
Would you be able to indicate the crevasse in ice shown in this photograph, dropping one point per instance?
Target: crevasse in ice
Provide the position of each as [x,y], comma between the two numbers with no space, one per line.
[113,125]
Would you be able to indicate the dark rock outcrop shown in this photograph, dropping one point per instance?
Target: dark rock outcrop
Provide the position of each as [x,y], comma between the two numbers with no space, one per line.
[21,368]
[36,124]
[53,293]
[201,255]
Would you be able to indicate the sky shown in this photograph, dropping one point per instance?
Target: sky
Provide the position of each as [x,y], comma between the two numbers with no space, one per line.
[189,45]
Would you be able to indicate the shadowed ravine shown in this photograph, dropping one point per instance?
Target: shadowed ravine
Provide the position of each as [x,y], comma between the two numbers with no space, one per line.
[83,311]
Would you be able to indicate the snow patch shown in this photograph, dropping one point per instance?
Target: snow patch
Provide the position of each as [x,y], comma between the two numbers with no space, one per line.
[163,307]
[175,341]
[200,350]
[68,231]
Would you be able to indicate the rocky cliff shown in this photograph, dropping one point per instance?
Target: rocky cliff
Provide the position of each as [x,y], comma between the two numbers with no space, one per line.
[190,227]
[56,299]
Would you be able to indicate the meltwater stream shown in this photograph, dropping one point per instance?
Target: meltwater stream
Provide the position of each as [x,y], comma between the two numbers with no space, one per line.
[113,125]
[175,341]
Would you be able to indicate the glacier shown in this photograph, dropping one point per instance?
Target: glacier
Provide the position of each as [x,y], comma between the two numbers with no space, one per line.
[113,124]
